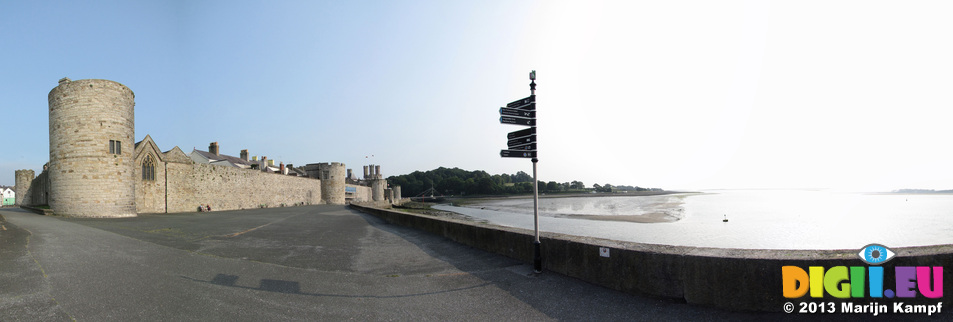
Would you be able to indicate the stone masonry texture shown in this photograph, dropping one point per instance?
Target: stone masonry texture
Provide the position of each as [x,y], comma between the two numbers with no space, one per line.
[96,168]
[88,176]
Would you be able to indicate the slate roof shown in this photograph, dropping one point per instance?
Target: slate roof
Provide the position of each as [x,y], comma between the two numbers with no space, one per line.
[238,162]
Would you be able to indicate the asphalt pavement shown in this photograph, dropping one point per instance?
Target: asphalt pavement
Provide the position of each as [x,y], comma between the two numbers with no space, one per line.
[298,263]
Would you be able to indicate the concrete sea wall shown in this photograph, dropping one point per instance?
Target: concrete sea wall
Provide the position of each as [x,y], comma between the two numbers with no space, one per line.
[735,279]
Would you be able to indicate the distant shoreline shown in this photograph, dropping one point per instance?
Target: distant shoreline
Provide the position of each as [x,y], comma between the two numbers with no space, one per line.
[571,195]
[646,218]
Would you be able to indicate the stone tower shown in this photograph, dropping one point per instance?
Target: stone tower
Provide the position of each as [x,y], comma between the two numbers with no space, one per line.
[374,178]
[24,179]
[332,177]
[92,130]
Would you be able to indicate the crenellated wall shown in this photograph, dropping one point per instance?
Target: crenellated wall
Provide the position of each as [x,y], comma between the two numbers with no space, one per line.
[96,170]
[227,188]
[360,194]
[24,183]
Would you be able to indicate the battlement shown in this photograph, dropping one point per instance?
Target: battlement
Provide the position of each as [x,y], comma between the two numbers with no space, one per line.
[96,169]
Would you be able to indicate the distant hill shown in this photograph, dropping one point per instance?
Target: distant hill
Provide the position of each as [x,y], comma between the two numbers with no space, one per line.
[921,191]
[455,181]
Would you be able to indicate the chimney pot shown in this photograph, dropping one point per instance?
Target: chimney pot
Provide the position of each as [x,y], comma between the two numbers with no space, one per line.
[213,148]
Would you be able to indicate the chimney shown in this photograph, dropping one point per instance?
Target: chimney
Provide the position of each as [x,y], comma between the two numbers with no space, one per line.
[282,168]
[348,173]
[264,163]
[377,172]
[213,148]
[366,174]
[244,154]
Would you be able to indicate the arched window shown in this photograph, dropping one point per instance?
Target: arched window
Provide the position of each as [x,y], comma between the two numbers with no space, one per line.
[149,168]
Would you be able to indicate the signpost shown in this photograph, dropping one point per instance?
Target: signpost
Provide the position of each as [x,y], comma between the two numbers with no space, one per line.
[517,154]
[521,141]
[531,146]
[523,101]
[519,112]
[521,133]
[518,120]
[522,144]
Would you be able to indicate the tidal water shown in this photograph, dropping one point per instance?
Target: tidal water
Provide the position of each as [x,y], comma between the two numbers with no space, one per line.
[757,219]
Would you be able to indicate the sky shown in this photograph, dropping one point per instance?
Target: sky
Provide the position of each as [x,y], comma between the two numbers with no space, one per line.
[848,95]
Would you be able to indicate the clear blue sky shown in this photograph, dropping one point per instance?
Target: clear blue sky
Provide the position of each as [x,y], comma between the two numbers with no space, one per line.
[671,94]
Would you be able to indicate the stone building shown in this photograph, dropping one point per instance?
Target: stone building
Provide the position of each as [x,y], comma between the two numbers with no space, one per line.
[95,170]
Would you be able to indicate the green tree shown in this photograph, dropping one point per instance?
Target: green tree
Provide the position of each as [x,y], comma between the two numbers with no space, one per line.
[522,177]
[577,185]
[487,186]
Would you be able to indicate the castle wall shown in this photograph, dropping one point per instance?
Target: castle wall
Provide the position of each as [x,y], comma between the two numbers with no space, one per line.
[227,188]
[97,170]
[377,189]
[24,181]
[91,149]
[361,194]
[40,190]
[332,176]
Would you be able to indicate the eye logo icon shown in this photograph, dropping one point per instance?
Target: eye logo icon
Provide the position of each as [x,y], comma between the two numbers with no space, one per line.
[875,254]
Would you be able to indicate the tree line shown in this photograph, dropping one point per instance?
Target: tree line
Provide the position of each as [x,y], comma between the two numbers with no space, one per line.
[457,181]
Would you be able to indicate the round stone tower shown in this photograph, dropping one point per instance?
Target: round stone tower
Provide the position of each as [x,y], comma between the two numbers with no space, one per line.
[332,177]
[397,195]
[24,179]
[377,189]
[92,130]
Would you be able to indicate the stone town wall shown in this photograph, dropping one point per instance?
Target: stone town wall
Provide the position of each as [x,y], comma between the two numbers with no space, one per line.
[226,188]
[362,194]
[24,181]
[333,175]
[40,190]
[377,189]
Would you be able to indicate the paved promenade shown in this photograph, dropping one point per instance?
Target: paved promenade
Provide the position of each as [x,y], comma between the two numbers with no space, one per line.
[301,263]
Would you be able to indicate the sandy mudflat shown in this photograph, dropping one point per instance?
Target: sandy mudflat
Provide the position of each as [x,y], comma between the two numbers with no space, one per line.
[655,217]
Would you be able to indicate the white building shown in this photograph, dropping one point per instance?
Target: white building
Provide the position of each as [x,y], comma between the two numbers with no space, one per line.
[9,196]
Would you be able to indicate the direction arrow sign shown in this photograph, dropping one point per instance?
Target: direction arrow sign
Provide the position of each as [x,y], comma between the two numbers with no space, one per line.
[517,154]
[516,112]
[517,121]
[522,101]
[521,133]
[531,147]
[521,141]
[528,107]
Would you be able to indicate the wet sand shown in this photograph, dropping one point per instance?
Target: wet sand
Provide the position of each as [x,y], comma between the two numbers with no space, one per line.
[650,218]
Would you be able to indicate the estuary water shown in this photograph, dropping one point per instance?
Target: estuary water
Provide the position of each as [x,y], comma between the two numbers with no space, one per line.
[757,219]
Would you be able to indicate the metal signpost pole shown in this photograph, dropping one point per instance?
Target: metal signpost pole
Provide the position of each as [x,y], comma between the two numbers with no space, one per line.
[522,144]
[537,258]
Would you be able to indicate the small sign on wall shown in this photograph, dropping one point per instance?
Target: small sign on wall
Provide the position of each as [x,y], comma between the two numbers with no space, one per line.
[604,251]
